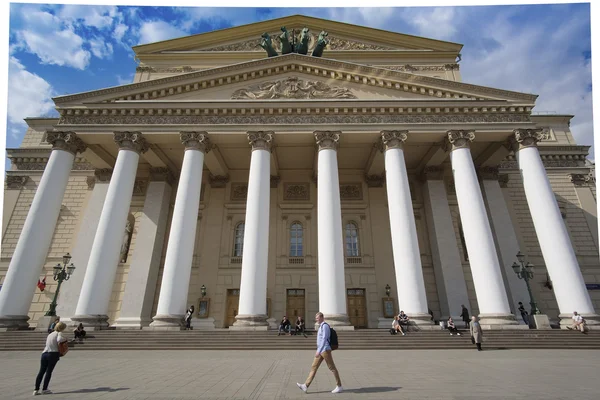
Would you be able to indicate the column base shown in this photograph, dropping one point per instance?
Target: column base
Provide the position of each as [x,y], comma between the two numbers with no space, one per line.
[540,321]
[13,322]
[131,323]
[91,322]
[499,322]
[43,323]
[592,320]
[257,322]
[203,324]
[166,323]
[273,324]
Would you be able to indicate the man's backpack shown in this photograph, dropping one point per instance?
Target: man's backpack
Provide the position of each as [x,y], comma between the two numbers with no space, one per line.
[333,338]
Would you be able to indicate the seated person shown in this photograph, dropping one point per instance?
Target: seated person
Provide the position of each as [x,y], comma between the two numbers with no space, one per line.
[79,332]
[299,325]
[403,320]
[452,327]
[284,326]
[396,326]
[578,322]
[53,325]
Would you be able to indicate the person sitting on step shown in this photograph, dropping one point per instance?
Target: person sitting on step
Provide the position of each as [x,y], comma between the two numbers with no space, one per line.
[452,328]
[300,326]
[79,333]
[403,321]
[396,327]
[285,326]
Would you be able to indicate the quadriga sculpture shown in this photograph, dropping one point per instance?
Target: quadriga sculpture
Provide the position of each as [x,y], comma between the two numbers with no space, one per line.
[266,44]
[302,46]
[321,43]
[286,46]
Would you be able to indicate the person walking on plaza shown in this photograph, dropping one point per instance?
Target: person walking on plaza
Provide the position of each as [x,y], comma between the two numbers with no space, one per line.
[188,317]
[464,313]
[50,357]
[323,353]
[476,332]
[524,314]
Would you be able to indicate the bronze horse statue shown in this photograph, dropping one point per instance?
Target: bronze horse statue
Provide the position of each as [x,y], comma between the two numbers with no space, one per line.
[321,43]
[286,46]
[266,44]
[302,46]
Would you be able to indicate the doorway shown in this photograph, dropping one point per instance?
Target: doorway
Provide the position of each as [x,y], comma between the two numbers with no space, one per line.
[295,305]
[357,308]
[233,301]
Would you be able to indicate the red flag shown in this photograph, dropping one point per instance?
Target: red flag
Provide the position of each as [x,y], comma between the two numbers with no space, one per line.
[42,284]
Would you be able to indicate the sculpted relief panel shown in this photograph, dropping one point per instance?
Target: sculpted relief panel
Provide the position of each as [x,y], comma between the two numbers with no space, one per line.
[292,88]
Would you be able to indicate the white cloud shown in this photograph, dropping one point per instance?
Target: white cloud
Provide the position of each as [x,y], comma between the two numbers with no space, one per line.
[29,95]
[100,17]
[100,47]
[119,32]
[435,23]
[53,46]
[125,80]
[155,31]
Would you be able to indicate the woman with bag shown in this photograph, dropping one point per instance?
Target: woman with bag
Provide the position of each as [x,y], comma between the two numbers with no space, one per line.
[56,347]
[476,332]
[188,317]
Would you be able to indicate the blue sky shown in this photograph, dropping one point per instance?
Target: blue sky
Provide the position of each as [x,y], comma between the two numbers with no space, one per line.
[63,49]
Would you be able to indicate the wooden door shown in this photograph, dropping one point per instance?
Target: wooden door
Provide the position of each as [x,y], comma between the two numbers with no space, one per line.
[233,300]
[357,308]
[295,305]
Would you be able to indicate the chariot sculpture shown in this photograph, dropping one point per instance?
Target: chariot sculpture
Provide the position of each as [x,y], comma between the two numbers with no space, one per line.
[289,44]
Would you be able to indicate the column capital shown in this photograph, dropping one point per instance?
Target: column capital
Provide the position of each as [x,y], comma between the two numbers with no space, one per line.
[433,172]
[523,138]
[162,174]
[67,141]
[393,139]
[260,140]
[459,139]
[488,173]
[327,139]
[133,141]
[195,140]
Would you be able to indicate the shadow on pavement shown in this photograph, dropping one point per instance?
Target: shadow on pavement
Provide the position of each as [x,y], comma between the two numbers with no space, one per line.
[377,389]
[100,389]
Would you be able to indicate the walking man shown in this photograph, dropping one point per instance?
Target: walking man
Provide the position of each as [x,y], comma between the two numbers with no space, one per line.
[524,314]
[323,353]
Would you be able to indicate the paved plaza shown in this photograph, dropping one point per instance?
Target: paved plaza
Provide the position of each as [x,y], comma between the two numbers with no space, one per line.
[423,374]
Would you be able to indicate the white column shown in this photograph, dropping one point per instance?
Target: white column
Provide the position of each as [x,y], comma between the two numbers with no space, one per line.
[172,301]
[332,280]
[69,294]
[92,307]
[561,262]
[36,236]
[506,238]
[405,245]
[138,298]
[487,277]
[253,286]
[447,262]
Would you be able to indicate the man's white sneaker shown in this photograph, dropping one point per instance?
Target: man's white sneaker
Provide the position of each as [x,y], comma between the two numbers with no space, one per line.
[338,389]
[302,387]
[36,392]
[458,333]
[451,334]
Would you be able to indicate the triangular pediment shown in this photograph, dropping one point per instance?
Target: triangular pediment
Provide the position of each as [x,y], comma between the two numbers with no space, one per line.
[296,77]
[342,37]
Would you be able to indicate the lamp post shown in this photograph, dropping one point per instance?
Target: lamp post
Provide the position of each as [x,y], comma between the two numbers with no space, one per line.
[525,271]
[203,291]
[61,273]
[387,290]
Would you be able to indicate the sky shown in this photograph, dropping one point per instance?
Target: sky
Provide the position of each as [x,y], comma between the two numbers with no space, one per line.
[63,49]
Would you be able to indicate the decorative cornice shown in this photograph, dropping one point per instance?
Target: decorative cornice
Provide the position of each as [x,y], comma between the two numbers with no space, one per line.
[217,181]
[459,139]
[193,140]
[488,173]
[275,181]
[260,140]
[375,180]
[133,141]
[327,139]
[549,160]
[41,165]
[162,174]
[67,141]
[393,139]
[16,181]
[581,179]
[316,66]
[524,138]
[503,180]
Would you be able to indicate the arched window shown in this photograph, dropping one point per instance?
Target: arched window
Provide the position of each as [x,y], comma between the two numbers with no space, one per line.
[238,244]
[352,248]
[296,240]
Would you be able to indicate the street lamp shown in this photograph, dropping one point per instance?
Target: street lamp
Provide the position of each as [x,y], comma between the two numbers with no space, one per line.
[525,271]
[61,273]
[387,290]
[203,291]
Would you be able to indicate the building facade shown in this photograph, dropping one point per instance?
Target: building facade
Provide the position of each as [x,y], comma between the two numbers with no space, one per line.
[359,182]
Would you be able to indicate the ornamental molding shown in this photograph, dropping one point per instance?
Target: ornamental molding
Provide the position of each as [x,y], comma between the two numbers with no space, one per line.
[420,68]
[41,165]
[162,174]
[290,119]
[296,191]
[292,88]
[581,179]
[459,139]
[375,180]
[218,181]
[433,172]
[16,181]
[239,191]
[261,140]
[550,161]
[181,69]
[524,138]
[393,139]
[133,141]
[327,139]
[275,181]
[487,173]
[67,141]
[139,187]
[100,175]
[503,180]
[296,62]
[194,140]
[351,191]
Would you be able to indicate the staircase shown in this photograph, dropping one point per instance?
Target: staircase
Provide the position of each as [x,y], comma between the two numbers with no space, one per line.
[367,339]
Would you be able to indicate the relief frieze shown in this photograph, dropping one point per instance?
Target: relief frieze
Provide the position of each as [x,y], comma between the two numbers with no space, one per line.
[351,191]
[239,191]
[293,88]
[296,191]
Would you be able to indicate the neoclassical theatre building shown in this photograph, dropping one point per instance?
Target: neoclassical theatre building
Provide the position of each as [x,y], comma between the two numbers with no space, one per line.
[257,172]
